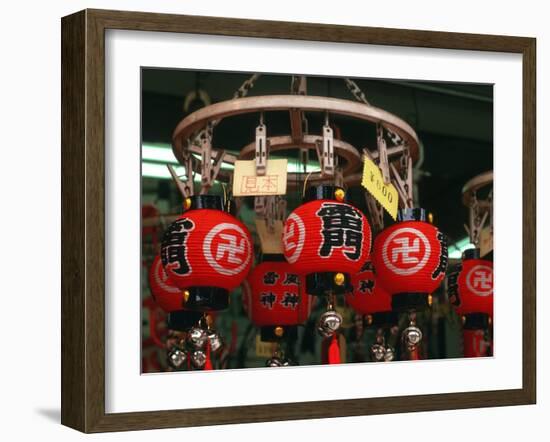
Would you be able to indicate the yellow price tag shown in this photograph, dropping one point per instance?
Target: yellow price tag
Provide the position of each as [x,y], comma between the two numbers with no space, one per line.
[385,194]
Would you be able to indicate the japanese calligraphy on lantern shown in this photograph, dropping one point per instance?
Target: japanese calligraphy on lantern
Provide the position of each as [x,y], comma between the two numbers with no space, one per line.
[247,183]
[342,227]
[174,248]
[385,194]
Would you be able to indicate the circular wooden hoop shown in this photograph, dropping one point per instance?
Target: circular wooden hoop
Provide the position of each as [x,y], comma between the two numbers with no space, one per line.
[193,123]
[476,183]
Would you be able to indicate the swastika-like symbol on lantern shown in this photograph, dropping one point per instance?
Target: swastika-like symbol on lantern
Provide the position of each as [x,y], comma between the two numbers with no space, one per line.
[293,237]
[406,251]
[480,280]
[227,249]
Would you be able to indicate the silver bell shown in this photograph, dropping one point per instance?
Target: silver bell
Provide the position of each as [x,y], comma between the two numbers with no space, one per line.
[274,361]
[216,341]
[197,338]
[389,354]
[378,352]
[329,322]
[198,358]
[177,358]
[412,336]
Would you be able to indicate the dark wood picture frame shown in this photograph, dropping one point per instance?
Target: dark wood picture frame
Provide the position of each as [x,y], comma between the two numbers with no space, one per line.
[83,220]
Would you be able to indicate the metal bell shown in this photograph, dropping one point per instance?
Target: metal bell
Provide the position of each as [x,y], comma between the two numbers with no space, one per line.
[197,338]
[378,352]
[412,336]
[198,358]
[329,322]
[274,361]
[216,341]
[177,358]
[389,354]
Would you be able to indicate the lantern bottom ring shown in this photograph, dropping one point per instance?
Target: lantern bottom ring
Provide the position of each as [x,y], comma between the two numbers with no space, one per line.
[268,333]
[407,301]
[475,321]
[203,299]
[322,283]
[182,320]
[384,319]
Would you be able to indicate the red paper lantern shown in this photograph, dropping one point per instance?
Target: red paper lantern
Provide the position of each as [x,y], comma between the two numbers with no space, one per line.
[207,253]
[170,299]
[410,259]
[473,290]
[475,343]
[272,296]
[164,292]
[368,297]
[326,235]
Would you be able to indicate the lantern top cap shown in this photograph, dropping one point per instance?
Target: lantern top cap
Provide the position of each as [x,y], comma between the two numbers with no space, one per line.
[324,192]
[471,254]
[411,214]
[206,202]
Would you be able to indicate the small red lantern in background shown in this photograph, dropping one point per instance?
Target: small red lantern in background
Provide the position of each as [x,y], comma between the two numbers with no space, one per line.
[206,253]
[327,240]
[371,300]
[368,297]
[471,293]
[471,288]
[272,297]
[170,298]
[410,259]
[164,292]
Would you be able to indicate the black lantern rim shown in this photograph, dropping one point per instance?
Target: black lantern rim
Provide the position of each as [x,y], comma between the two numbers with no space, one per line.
[322,192]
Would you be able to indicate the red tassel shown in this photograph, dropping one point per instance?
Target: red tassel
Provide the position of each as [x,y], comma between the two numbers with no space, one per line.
[414,354]
[208,363]
[334,351]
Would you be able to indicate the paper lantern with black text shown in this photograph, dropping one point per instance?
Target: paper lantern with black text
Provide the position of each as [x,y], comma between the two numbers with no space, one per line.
[368,297]
[206,253]
[274,297]
[326,239]
[410,259]
[471,287]
[165,293]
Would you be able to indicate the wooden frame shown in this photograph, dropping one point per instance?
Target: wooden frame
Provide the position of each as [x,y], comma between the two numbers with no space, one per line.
[83,215]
